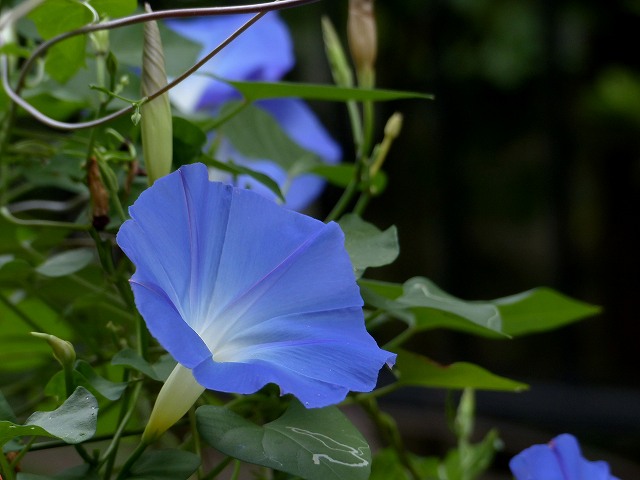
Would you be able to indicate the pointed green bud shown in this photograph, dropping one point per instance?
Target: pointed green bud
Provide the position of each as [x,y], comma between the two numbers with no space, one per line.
[340,69]
[63,350]
[155,115]
[176,397]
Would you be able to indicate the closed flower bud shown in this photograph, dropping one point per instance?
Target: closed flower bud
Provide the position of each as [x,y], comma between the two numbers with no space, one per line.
[156,126]
[340,68]
[363,40]
[63,351]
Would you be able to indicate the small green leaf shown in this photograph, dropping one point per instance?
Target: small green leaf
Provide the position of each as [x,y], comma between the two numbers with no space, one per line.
[164,465]
[73,422]
[262,90]
[539,310]
[315,444]
[418,371]
[66,263]
[367,245]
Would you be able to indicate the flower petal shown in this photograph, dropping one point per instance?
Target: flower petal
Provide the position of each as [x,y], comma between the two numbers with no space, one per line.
[561,459]
[263,52]
[248,293]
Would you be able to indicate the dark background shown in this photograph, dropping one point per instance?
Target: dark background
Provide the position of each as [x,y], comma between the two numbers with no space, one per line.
[524,171]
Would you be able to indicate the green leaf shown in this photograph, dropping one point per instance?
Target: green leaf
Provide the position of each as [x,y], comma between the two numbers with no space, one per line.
[539,310]
[130,358]
[54,17]
[108,389]
[6,412]
[164,465]
[415,370]
[257,135]
[423,306]
[367,245]
[66,263]
[114,8]
[315,444]
[236,169]
[188,141]
[73,422]
[261,90]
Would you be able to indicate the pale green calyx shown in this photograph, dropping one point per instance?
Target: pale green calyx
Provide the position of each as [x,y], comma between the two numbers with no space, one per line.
[176,397]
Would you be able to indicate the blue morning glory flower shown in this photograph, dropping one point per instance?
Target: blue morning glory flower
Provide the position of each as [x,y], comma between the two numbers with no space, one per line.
[243,292]
[560,459]
[262,53]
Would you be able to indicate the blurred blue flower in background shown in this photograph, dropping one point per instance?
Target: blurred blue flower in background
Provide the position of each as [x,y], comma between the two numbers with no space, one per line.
[243,292]
[560,459]
[264,52]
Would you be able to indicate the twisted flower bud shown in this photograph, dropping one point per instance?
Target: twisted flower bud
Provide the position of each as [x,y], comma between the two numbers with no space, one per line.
[156,126]
[363,39]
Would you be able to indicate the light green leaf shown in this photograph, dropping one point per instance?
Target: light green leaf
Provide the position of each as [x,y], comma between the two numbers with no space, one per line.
[422,304]
[257,135]
[73,422]
[367,245]
[261,90]
[415,370]
[164,465]
[540,310]
[66,263]
[315,444]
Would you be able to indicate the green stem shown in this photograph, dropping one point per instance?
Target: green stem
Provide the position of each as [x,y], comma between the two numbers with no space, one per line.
[131,460]
[128,407]
[20,314]
[218,469]
[389,432]
[6,214]
[236,470]
[399,339]
[5,468]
